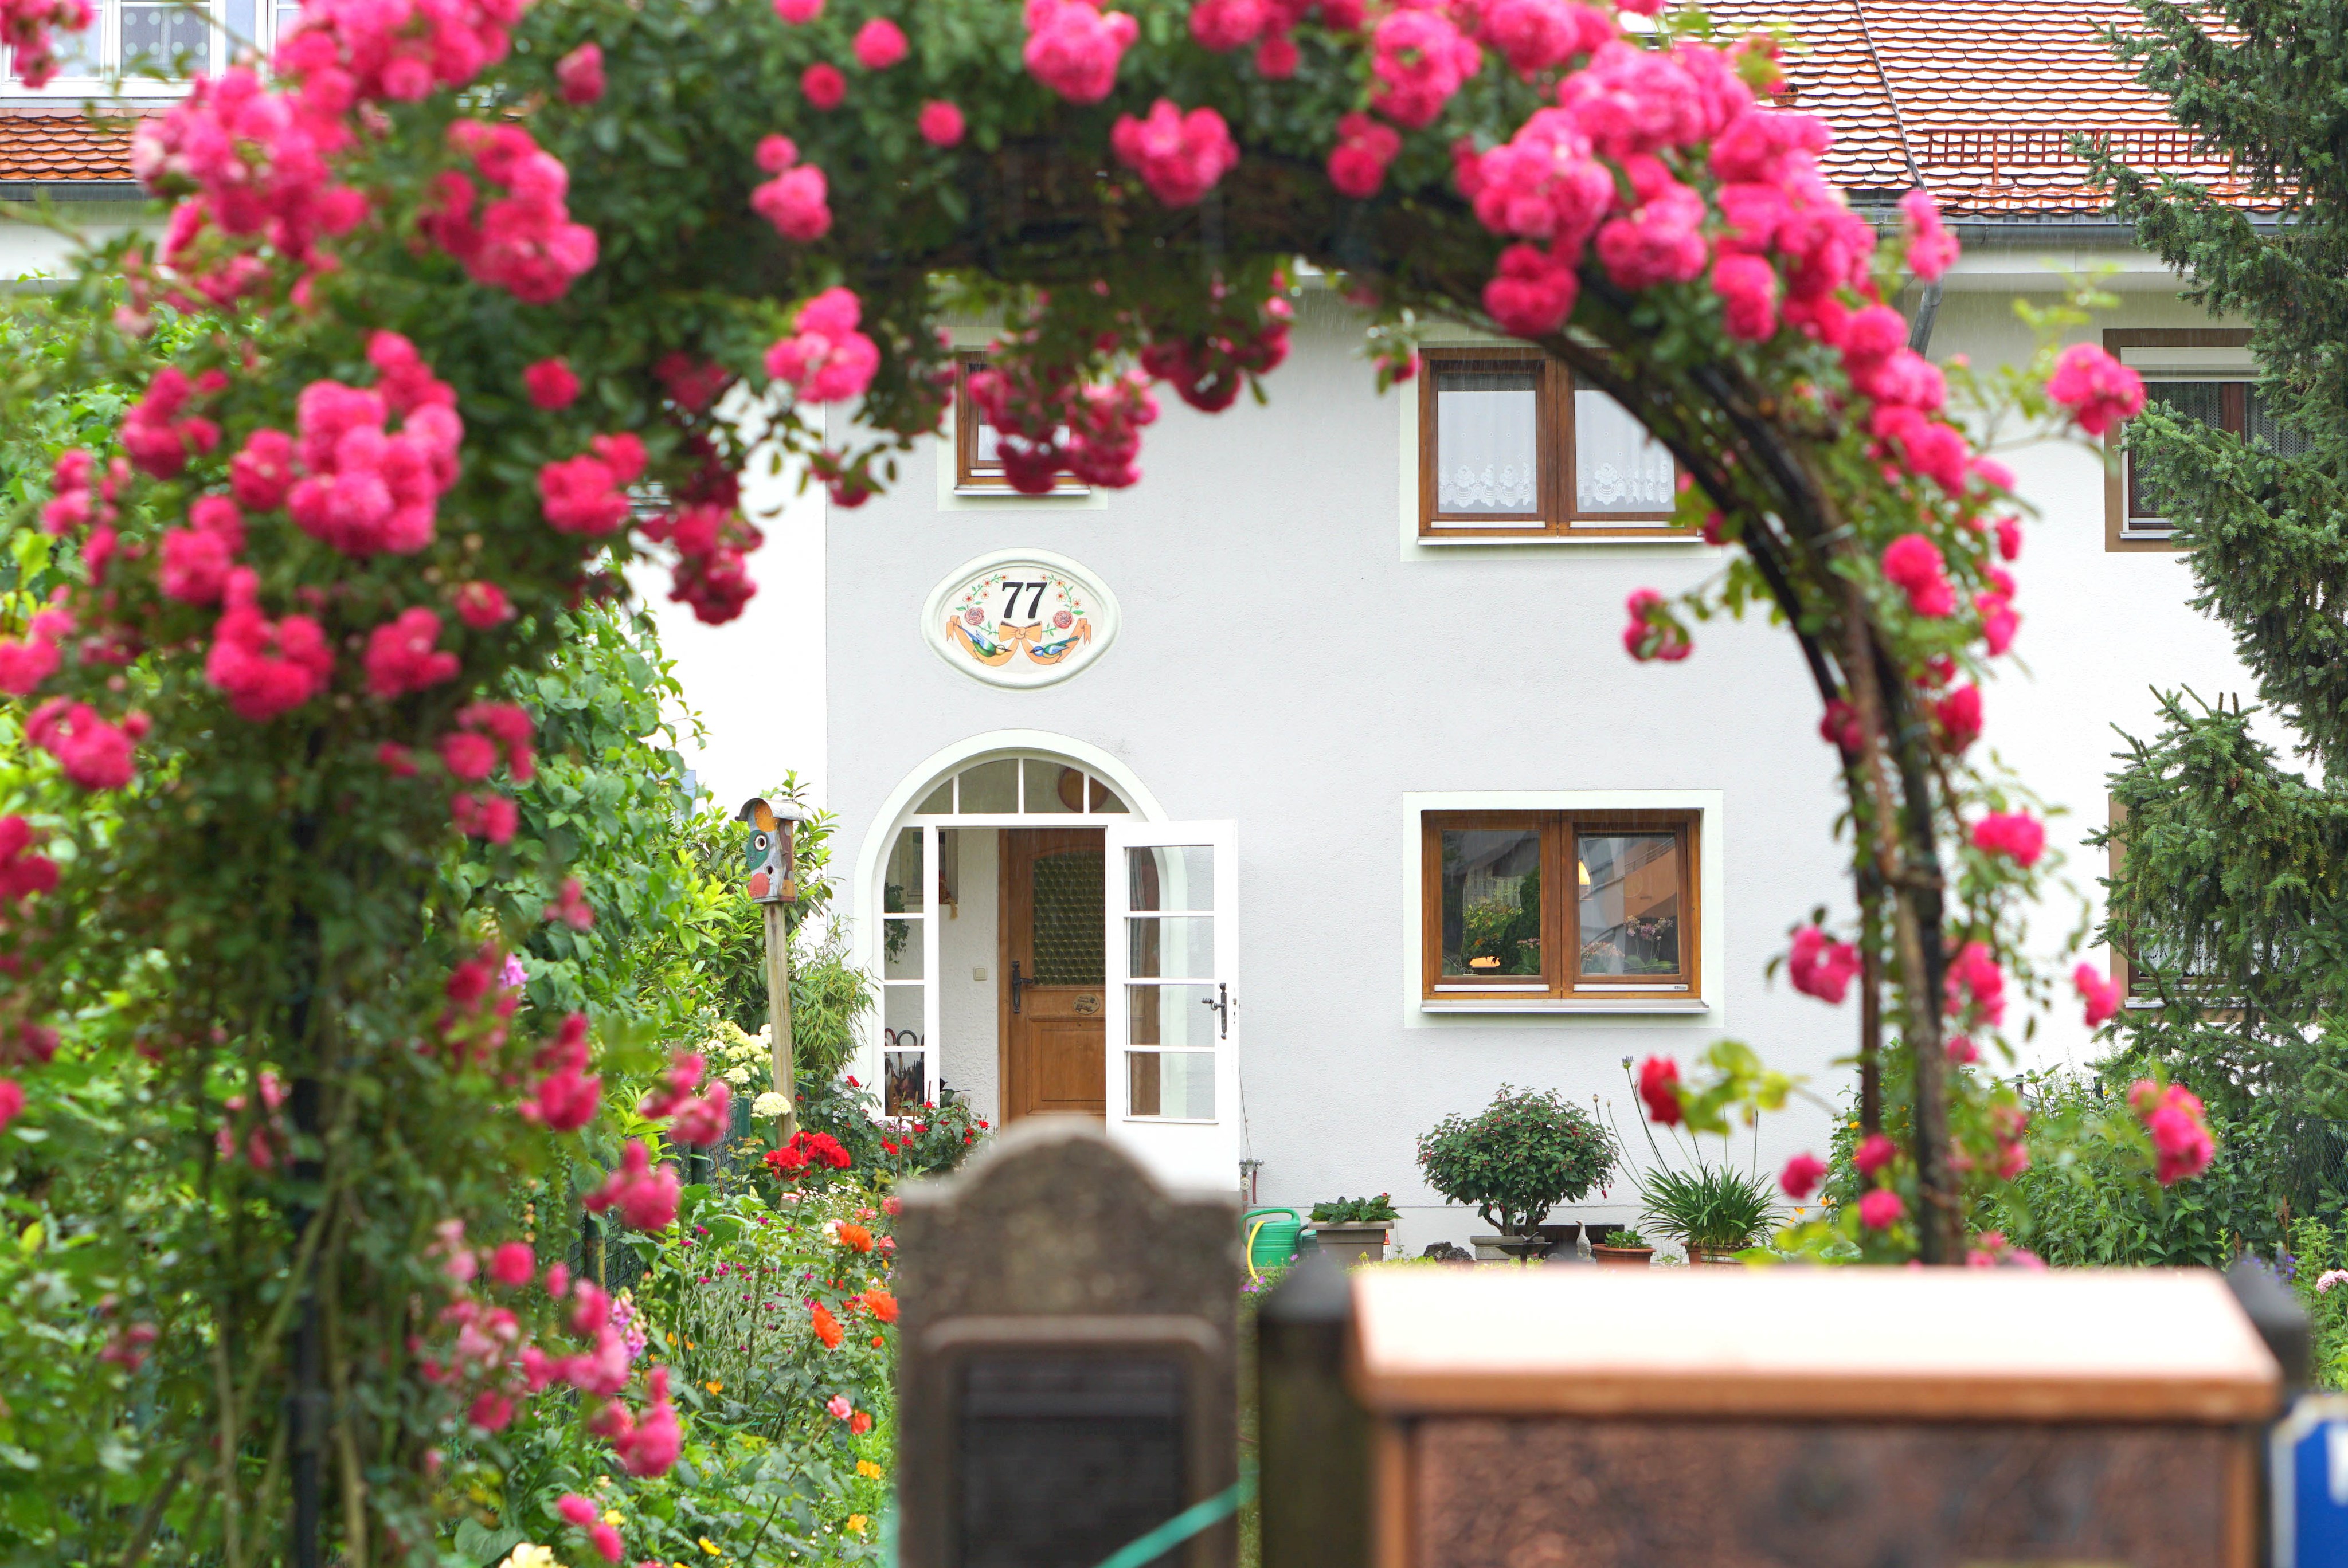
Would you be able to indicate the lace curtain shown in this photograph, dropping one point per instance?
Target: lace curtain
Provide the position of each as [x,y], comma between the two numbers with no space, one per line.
[1487,453]
[1618,468]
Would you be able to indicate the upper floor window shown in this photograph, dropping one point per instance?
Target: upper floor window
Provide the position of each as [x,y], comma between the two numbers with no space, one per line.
[2203,374]
[978,455]
[143,39]
[1559,904]
[1509,444]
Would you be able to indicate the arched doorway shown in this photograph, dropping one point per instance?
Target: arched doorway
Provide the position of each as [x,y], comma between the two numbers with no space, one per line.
[1044,942]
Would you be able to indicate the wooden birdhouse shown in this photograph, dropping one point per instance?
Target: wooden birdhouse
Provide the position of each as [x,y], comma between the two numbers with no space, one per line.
[769,858]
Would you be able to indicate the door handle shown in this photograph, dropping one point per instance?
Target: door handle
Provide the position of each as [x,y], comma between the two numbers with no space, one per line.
[1221,1001]
[1016,983]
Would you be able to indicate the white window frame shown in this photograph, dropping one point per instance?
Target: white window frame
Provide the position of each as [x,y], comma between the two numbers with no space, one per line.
[108,25]
[1705,1005]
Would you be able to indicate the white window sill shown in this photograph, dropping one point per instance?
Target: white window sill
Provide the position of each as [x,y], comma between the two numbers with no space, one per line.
[1005,493]
[1658,536]
[1659,1003]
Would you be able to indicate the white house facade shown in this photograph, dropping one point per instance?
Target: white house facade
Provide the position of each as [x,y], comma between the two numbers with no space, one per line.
[1474,844]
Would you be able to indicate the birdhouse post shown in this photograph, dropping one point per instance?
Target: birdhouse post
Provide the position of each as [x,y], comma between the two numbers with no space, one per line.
[770,871]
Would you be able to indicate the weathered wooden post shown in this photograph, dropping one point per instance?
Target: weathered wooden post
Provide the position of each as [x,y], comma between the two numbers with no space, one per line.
[1313,1434]
[1067,1383]
[771,862]
[1836,1418]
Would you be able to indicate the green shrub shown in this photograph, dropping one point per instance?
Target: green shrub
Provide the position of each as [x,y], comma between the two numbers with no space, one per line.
[1523,1155]
[1356,1211]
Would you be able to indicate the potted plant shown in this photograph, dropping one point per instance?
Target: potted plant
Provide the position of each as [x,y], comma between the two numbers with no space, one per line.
[1623,1247]
[1518,1158]
[1353,1230]
[1713,1211]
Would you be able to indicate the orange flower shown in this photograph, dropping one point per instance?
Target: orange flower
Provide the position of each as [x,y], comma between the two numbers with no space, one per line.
[878,1342]
[827,1327]
[860,1423]
[856,1238]
[884,1306]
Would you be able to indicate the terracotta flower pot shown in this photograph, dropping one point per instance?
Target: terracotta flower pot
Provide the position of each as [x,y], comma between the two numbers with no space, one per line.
[1622,1256]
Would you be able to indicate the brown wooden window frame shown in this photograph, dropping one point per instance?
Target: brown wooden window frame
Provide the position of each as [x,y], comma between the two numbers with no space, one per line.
[971,477]
[2138,990]
[1559,917]
[1555,456]
[2119,483]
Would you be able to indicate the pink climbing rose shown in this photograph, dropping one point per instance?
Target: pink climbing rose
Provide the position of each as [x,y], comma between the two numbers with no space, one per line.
[1880,1209]
[1073,47]
[2016,835]
[2181,1134]
[1914,564]
[1931,249]
[826,359]
[1357,166]
[2099,390]
[940,123]
[1178,156]
[1801,1177]
[880,44]
[1821,967]
[2100,993]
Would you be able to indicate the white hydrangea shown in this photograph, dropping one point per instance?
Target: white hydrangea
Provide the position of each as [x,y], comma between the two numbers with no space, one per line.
[530,1554]
[739,1077]
[769,1106]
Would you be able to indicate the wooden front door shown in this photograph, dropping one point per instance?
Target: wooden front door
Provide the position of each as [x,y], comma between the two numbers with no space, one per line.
[1054,964]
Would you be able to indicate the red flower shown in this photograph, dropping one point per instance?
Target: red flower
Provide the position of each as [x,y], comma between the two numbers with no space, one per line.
[860,1423]
[855,1237]
[827,1327]
[1659,1086]
[881,1304]
[940,123]
[1874,1154]
[824,86]
[1801,1177]
[1881,1208]
[551,383]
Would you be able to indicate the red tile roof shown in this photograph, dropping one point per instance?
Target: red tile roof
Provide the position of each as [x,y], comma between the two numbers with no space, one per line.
[1983,95]
[60,144]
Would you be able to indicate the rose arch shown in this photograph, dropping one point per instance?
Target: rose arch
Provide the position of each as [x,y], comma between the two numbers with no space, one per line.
[484,292]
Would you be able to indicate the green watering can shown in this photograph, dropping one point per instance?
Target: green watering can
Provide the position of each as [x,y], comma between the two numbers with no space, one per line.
[1274,1237]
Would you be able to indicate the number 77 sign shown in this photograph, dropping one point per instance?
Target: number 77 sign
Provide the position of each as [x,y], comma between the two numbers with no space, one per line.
[1020,618]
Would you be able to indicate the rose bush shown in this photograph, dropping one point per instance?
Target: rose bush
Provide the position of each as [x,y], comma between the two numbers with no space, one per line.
[293,656]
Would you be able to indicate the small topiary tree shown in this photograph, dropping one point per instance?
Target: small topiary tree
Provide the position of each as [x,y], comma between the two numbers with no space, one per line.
[1520,1156]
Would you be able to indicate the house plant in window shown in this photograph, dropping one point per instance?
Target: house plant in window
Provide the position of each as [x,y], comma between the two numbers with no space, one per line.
[1516,1159]
[1353,1230]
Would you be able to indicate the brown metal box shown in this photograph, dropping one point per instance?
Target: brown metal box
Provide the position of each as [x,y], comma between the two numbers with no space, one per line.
[1844,1417]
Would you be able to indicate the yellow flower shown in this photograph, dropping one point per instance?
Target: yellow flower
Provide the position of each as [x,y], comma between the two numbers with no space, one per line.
[868,1470]
[714,1386]
[856,1522]
[711,1547]
[611,1516]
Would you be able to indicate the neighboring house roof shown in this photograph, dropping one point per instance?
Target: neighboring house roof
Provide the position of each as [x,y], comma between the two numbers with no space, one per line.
[1983,95]
[61,147]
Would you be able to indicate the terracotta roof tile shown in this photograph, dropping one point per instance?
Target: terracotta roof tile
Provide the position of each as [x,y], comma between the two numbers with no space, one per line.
[60,145]
[1990,93]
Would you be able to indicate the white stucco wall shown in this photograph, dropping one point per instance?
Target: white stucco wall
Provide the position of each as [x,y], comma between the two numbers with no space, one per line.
[1281,664]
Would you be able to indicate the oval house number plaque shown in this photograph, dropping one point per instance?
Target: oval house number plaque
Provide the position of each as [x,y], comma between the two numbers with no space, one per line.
[1020,618]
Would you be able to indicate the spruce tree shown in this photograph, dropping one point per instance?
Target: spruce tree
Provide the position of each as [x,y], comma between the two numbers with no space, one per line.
[2231,900]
